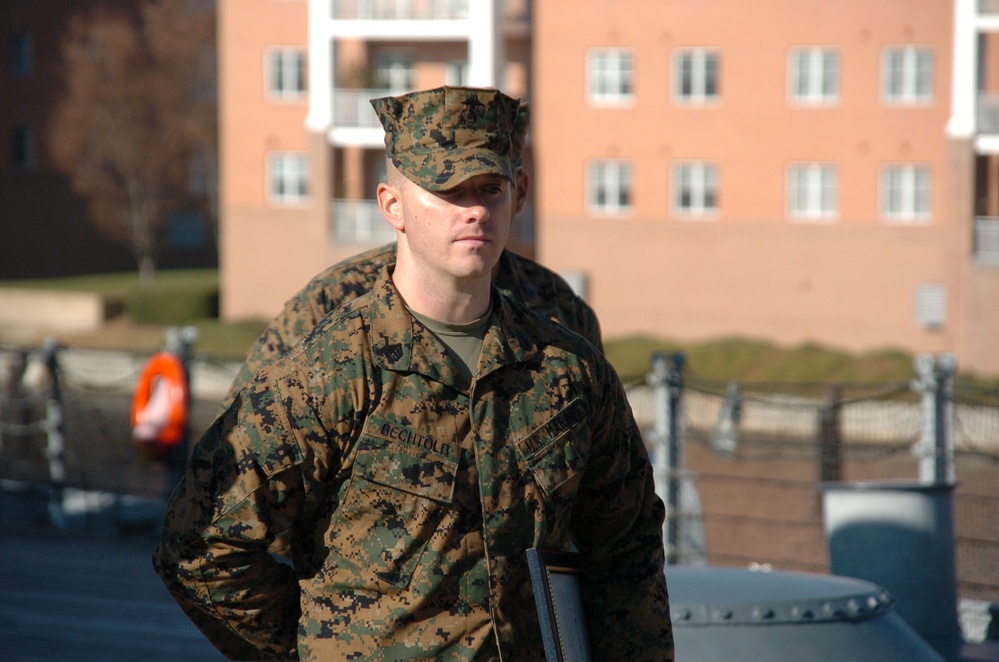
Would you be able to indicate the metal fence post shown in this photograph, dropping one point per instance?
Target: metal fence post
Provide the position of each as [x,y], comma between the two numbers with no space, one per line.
[55,430]
[725,440]
[675,452]
[943,406]
[935,383]
[180,342]
[667,430]
[830,440]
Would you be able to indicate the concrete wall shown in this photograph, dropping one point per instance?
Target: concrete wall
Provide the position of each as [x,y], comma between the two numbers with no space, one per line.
[29,312]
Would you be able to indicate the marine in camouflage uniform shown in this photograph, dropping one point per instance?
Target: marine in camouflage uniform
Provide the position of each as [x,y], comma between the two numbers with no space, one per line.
[411,495]
[540,289]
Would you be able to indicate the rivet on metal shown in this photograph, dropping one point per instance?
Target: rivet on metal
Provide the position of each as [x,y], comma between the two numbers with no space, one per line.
[761,613]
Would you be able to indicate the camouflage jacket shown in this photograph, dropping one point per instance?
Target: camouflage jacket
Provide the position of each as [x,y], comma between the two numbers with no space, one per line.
[537,287]
[411,502]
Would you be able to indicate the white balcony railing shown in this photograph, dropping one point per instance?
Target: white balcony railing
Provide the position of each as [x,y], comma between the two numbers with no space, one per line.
[400,10]
[352,108]
[522,230]
[359,222]
[988,7]
[987,240]
[988,113]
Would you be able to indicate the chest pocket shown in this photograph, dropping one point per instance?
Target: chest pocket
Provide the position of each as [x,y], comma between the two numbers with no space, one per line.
[556,451]
[394,502]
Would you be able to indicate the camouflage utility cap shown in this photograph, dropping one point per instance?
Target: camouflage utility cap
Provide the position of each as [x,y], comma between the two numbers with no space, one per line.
[439,138]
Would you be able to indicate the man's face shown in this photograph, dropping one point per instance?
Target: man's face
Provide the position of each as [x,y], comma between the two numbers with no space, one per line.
[461,232]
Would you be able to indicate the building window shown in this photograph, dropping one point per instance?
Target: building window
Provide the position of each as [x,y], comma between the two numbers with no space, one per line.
[695,188]
[611,76]
[695,76]
[610,187]
[812,191]
[22,56]
[906,192]
[187,230]
[288,177]
[23,150]
[394,72]
[456,73]
[907,75]
[814,76]
[286,73]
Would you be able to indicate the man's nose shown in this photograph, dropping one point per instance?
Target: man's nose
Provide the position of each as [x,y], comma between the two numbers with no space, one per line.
[476,207]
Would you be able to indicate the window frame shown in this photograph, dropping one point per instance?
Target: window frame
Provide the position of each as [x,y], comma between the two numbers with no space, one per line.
[820,193]
[394,71]
[610,179]
[286,64]
[282,178]
[705,66]
[600,79]
[21,54]
[909,187]
[908,75]
[814,75]
[23,144]
[456,72]
[702,182]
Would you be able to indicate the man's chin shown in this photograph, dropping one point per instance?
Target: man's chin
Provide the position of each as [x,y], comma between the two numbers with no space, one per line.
[478,267]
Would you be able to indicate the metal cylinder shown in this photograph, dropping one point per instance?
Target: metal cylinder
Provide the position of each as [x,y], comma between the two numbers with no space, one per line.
[900,536]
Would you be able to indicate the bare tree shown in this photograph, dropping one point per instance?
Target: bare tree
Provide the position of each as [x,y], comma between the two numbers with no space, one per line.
[139,106]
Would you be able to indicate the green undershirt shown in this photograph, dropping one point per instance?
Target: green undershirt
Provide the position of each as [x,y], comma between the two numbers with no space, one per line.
[463,341]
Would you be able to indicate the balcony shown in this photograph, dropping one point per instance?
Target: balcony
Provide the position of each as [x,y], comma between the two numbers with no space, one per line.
[988,7]
[987,240]
[352,108]
[400,10]
[522,230]
[988,113]
[359,222]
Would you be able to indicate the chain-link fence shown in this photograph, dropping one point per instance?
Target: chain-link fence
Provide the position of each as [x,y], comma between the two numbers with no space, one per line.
[94,391]
[759,455]
[756,454]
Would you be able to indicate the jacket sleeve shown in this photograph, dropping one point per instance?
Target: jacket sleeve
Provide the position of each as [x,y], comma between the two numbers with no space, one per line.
[617,525]
[242,485]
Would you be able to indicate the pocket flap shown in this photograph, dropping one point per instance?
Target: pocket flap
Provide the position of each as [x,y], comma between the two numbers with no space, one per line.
[387,463]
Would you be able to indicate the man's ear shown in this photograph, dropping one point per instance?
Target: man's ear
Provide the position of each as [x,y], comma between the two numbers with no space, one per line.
[390,204]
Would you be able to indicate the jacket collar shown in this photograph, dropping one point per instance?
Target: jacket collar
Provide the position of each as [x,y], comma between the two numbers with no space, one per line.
[400,343]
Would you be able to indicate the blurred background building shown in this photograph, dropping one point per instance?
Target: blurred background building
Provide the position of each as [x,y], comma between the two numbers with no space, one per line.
[46,227]
[43,225]
[797,171]
[793,170]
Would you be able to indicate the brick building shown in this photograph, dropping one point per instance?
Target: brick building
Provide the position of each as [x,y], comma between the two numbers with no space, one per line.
[794,170]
